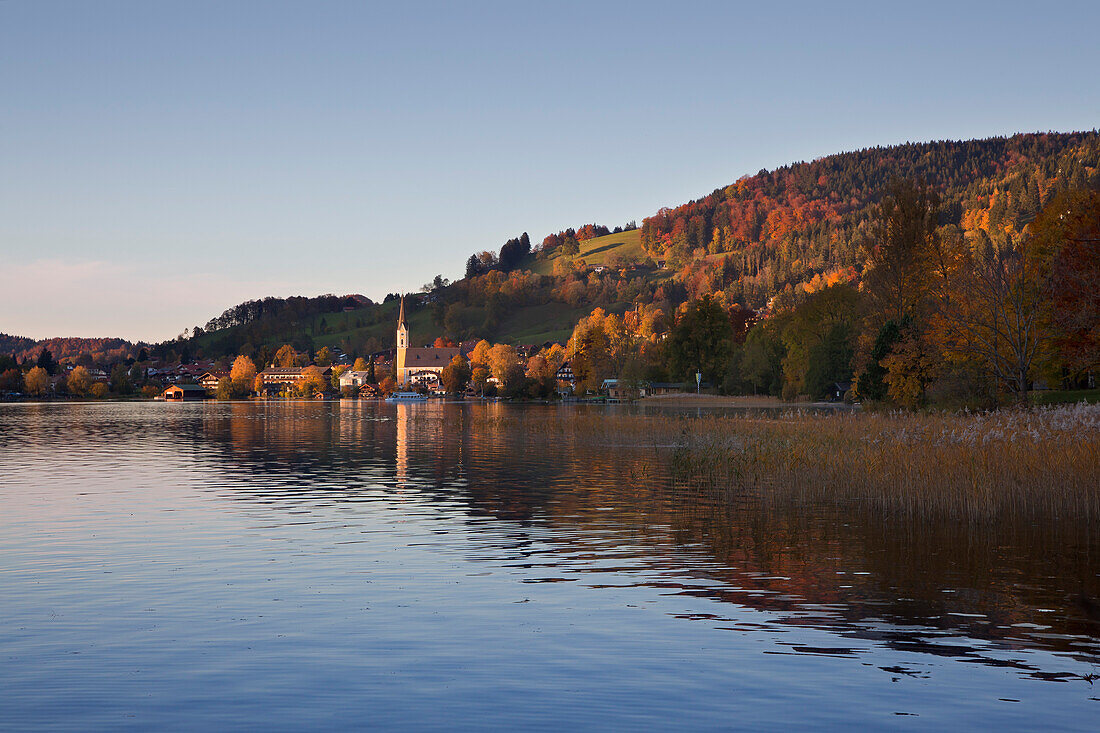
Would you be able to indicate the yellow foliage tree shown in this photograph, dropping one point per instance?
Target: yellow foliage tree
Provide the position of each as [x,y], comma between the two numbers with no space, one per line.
[501,359]
[312,383]
[79,381]
[286,356]
[243,373]
[36,381]
[480,354]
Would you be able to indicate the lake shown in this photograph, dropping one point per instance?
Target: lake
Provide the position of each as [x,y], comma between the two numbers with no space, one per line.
[338,565]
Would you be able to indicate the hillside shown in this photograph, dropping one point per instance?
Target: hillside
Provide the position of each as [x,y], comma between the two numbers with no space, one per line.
[67,349]
[807,221]
[774,235]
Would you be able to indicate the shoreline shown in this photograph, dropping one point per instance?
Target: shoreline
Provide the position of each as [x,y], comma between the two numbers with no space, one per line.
[686,399]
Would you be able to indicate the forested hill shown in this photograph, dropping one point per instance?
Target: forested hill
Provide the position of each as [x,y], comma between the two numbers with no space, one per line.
[810,220]
[104,349]
[768,239]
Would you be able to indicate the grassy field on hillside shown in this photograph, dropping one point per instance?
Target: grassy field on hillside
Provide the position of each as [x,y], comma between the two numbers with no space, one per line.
[547,322]
[598,250]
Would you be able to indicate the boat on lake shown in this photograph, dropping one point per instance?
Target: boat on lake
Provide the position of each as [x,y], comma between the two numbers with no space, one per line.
[407,397]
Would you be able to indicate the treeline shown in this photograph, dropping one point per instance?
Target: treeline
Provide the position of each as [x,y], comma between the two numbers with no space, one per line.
[292,308]
[42,373]
[512,255]
[67,349]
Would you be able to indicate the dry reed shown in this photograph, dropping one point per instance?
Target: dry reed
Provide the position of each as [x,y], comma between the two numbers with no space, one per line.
[1042,462]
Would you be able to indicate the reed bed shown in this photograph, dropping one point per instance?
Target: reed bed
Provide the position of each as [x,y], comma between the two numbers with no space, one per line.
[1041,462]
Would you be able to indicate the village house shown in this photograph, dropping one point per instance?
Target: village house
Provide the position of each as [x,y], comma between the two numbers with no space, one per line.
[565,373]
[353,378]
[209,380]
[290,375]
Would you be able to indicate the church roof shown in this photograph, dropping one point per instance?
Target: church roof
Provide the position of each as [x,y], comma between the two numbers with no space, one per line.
[401,314]
[429,357]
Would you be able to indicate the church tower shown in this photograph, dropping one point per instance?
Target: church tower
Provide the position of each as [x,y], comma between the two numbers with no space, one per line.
[402,327]
[402,343]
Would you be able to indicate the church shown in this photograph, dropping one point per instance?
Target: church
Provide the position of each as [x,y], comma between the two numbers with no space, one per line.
[419,365]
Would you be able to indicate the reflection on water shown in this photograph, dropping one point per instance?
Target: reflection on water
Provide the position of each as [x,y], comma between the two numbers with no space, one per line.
[421,565]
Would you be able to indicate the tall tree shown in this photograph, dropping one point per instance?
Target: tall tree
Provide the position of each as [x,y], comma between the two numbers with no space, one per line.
[994,311]
[701,340]
[46,361]
[1067,249]
[456,375]
[900,262]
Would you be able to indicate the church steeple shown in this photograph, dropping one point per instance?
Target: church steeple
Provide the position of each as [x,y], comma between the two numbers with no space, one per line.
[402,327]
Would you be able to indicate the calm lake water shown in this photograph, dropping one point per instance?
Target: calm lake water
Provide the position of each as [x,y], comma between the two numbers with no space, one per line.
[355,565]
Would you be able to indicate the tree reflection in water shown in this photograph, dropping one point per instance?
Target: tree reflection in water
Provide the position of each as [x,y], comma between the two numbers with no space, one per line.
[567,509]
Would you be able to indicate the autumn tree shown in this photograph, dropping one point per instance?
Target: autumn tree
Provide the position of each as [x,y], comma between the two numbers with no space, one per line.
[480,378]
[36,381]
[501,358]
[899,272]
[360,365]
[98,390]
[243,374]
[312,382]
[761,358]
[456,375]
[908,264]
[225,390]
[1066,250]
[480,354]
[79,381]
[701,340]
[993,312]
[121,382]
[324,357]
[286,357]
[337,372]
[820,338]
[11,380]
[592,359]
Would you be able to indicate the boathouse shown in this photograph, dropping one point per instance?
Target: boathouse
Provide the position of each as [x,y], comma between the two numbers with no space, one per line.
[184,393]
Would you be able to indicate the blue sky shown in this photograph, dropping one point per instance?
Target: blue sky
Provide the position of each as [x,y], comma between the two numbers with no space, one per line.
[165,160]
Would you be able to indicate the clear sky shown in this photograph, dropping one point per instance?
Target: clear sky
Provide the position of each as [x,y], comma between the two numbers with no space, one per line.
[162,161]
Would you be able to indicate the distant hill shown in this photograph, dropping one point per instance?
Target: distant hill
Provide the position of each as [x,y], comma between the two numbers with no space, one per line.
[67,349]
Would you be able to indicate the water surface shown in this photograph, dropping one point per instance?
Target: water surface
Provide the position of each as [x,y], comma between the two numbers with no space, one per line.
[358,564]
